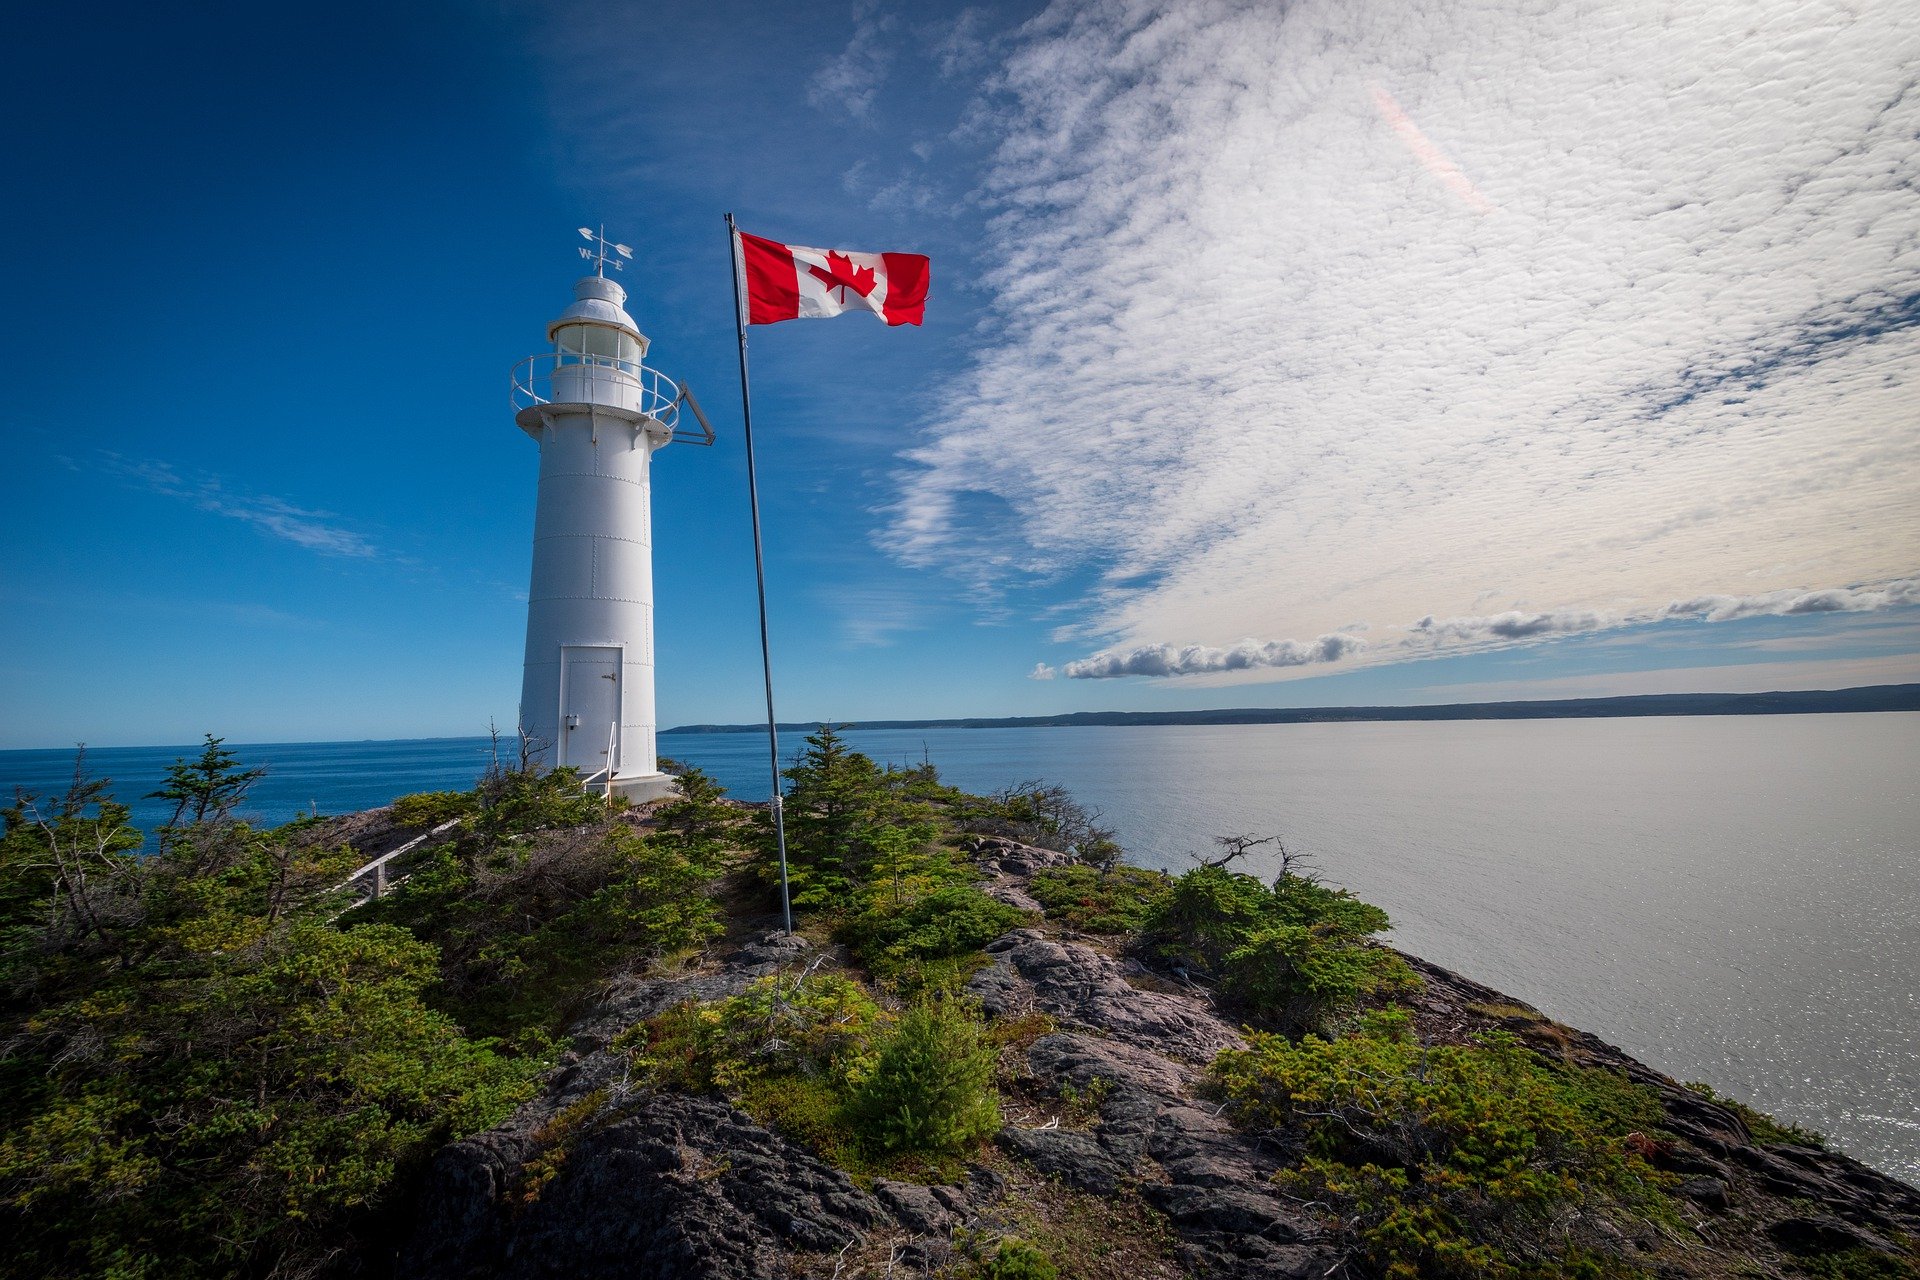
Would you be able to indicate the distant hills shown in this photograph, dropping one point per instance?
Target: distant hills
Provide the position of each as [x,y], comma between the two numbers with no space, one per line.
[1879,697]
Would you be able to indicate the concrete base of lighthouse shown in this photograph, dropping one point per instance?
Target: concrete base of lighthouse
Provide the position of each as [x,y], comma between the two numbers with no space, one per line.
[645,787]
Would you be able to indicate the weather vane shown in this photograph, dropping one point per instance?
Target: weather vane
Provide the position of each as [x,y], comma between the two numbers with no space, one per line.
[598,254]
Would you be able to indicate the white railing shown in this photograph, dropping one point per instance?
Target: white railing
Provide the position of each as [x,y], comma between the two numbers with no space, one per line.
[632,383]
[378,867]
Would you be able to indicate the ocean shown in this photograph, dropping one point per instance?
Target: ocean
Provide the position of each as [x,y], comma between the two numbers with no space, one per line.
[1731,899]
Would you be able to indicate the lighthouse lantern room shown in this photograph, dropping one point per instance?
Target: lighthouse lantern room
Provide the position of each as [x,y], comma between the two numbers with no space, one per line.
[598,413]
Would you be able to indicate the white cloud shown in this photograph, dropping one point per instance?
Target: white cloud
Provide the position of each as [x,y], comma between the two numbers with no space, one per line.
[314,530]
[1041,671]
[1789,603]
[1520,320]
[851,79]
[1198,659]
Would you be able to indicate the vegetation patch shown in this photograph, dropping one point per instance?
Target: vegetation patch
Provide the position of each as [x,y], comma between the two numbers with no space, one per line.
[815,1057]
[1766,1130]
[1477,1160]
[930,940]
[1294,953]
[539,894]
[1859,1263]
[425,810]
[1094,900]
[206,1073]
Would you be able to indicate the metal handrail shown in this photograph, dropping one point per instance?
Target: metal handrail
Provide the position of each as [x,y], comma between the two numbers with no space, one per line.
[379,865]
[659,395]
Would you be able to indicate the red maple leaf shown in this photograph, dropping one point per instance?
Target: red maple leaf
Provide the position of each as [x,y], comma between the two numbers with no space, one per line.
[840,274]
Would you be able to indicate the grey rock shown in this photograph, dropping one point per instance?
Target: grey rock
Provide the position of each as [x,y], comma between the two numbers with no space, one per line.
[1016,897]
[1083,988]
[915,1207]
[673,1187]
[1708,1193]
[1078,1159]
[1823,1233]
[1079,1060]
[773,951]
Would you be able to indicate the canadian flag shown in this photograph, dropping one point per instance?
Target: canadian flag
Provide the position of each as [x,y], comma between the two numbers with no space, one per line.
[793,282]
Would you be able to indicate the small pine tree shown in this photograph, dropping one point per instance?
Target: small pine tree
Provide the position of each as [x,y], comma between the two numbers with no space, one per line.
[207,789]
[832,799]
[931,1089]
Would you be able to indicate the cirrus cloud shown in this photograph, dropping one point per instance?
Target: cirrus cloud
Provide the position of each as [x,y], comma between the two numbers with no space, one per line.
[1265,360]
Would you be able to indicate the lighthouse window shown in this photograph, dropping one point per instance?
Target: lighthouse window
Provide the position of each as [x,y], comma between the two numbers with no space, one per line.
[594,340]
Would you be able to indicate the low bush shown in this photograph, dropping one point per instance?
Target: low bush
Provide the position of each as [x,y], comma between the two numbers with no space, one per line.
[1859,1263]
[530,925]
[818,1026]
[1014,1259]
[519,802]
[930,1091]
[929,940]
[424,810]
[1477,1160]
[816,1058]
[1294,953]
[1043,814]
[1119,900]
[1298,978]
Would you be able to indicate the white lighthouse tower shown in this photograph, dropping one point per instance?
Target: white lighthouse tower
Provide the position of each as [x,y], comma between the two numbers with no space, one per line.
[598,413]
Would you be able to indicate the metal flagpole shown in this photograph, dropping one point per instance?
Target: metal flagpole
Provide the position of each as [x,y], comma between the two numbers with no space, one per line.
[759,574]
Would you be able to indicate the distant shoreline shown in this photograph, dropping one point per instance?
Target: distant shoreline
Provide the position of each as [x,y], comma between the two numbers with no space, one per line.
[1879,697]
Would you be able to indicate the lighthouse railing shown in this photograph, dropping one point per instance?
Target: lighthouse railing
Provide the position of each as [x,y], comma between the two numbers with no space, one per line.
[650,391]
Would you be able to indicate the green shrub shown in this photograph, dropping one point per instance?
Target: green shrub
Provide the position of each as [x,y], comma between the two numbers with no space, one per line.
[529,928]
[426,809]
[809,1110]
[1043,814]
[1209,912]
[818,1026]
[1476,1160]
[518,802]
[908,940]
[930,1090]
[1015,1259]
[1297,978]
[1121,900]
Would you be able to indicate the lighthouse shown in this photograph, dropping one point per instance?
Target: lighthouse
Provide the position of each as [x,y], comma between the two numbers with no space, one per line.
[598,413]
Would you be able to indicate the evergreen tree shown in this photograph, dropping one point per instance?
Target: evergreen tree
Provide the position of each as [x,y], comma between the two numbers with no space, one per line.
[835,795]
[207,789]
[202,1073]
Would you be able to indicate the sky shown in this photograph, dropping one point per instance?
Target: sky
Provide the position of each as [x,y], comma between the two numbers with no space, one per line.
[1308,354]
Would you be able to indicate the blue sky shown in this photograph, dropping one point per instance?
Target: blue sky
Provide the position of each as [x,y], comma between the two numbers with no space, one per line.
[1275,357]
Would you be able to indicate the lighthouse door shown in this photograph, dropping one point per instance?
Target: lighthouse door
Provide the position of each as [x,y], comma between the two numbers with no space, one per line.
[589,707]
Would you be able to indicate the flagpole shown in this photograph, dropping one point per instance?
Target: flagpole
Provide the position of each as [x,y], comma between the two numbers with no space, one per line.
[759,575]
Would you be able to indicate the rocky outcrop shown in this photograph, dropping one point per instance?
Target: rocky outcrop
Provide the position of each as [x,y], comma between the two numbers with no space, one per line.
[1080,987]
[597,1179]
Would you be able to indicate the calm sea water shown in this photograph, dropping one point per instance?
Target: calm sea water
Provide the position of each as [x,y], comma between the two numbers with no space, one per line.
[1735,900]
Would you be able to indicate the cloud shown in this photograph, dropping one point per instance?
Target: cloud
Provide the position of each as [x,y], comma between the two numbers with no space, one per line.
[1431,158]
[1429,634]
[1249,370]
[1515,625]
[850,81]
[1041,671]
[1196,659]
[1512,625]
[1794,603]
[314,530]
